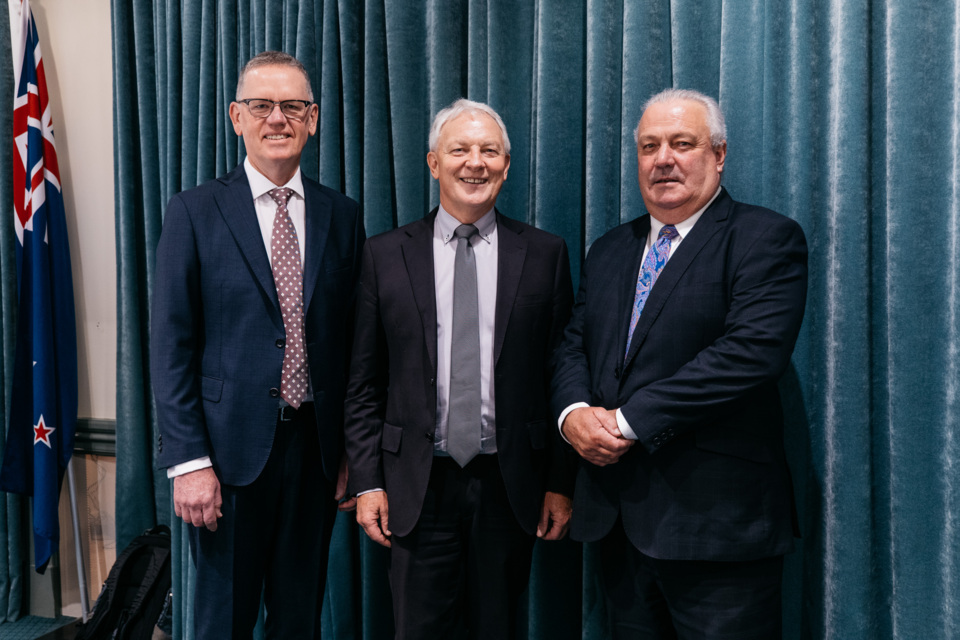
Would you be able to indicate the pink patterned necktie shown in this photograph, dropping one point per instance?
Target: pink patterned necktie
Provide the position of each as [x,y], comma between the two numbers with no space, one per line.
[649,272]
[288,276]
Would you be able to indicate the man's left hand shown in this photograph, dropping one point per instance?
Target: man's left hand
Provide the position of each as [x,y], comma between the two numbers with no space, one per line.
[342,475]
[554,516]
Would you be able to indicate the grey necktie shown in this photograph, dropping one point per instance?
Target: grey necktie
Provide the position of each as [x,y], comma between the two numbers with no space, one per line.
[463,422]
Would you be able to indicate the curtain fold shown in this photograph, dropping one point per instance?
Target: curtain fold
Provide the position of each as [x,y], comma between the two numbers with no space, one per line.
[842,114]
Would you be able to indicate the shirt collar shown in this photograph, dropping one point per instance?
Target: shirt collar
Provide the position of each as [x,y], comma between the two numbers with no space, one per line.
[260,184]
[683,228]
[446,224]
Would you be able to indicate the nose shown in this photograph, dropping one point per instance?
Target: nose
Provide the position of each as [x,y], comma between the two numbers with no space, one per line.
[276,116]
[474,159]
[664,157]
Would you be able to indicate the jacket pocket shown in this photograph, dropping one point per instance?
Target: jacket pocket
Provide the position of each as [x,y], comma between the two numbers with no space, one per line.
[732,443]
[211,388]
[390,440]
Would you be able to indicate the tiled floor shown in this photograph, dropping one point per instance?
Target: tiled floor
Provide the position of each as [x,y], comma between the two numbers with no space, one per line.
[34,628]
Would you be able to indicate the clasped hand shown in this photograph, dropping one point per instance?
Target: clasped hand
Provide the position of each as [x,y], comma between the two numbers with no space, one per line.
[594,433]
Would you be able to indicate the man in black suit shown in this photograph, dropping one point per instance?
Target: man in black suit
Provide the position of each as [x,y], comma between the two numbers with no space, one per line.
[666,385]
[449,437]
[252,315]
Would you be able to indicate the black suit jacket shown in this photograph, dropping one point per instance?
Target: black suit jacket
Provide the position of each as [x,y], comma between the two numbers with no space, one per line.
[217,333]
[392,394]
[708,478]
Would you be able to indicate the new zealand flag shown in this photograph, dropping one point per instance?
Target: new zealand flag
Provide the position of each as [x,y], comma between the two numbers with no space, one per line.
[43,410]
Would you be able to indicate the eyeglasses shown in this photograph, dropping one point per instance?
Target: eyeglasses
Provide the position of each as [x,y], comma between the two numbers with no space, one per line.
[293,109]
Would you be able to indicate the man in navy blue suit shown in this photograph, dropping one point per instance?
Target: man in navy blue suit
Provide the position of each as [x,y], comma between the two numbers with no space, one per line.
[252,317]
[666,385]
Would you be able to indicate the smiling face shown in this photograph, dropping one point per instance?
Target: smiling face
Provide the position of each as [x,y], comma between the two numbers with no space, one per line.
[678,168]
[470,164]
[274,143]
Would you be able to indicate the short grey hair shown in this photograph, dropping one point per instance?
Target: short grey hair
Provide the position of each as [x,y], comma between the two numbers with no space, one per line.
[715,121]
[273,59]
[459,108]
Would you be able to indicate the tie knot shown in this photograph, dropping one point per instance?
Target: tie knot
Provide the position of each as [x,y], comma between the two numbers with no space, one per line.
[668,231]
[280,195]
[465,231]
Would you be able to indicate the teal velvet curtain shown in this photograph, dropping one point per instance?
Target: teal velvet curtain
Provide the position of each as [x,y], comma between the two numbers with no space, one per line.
[842,114]
[12,544]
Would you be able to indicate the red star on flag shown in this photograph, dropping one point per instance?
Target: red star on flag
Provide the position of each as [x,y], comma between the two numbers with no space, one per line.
[41,433]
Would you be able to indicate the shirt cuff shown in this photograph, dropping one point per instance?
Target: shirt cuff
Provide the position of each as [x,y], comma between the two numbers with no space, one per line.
[624,426]
[369,491]
[188,466]
[563,416]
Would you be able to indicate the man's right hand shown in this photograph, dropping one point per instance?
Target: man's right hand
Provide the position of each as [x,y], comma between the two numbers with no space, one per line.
[373,515]
[196,498]
[594,433]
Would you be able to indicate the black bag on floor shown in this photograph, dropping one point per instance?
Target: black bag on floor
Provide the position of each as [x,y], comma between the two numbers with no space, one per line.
[132,597]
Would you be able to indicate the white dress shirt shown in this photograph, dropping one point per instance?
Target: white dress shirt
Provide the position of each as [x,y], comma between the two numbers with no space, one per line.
[444,257]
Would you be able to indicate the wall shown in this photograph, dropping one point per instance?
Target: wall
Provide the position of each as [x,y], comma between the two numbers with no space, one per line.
[75,39]
[76,43]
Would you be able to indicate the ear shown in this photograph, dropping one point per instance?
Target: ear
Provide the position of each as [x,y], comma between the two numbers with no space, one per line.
[434,163]
[313,116]
[235,117]
[506,167]
[721,154]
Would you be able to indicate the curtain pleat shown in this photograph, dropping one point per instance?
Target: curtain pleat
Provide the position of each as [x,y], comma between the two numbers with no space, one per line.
[142,491]
[842,114]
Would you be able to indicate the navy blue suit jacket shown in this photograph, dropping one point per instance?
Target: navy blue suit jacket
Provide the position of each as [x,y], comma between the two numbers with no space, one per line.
[708,478]
[392,397]
[217,333]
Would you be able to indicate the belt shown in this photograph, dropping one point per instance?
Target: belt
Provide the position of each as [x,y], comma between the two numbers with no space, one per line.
[287,413]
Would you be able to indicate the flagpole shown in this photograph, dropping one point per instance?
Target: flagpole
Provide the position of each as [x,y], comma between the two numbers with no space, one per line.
[75,517]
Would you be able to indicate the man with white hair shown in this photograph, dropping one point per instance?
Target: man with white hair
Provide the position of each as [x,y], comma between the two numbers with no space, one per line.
[448,425]
[666,385]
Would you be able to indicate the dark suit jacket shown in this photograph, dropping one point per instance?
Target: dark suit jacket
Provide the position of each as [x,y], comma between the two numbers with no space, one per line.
[708,478]
[392,396]
[217,337]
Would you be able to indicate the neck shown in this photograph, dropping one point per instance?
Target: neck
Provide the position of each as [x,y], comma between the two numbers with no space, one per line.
[280,173]
[468,215]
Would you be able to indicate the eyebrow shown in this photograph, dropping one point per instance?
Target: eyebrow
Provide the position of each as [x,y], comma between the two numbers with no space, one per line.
[464,143]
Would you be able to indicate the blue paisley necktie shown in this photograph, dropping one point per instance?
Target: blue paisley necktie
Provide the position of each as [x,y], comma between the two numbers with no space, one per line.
[649,271]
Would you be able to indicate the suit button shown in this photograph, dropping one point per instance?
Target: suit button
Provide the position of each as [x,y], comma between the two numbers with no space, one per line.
[429,436]
[279,343]
[616,373]
[433,381]
[274,392]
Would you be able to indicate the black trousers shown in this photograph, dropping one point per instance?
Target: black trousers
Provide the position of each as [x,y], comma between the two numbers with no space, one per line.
[649,598]
[461,571]
[272,541]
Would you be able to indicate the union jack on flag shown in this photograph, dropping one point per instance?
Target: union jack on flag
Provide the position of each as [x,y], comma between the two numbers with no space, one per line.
[43,409]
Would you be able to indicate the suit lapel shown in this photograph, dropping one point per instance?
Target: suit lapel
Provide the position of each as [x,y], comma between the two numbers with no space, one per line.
[417,250]
[512,249]
[712,221]
[317,226]
[236,207]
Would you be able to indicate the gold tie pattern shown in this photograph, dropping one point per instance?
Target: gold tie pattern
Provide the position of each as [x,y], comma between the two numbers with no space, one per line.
[288,276]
